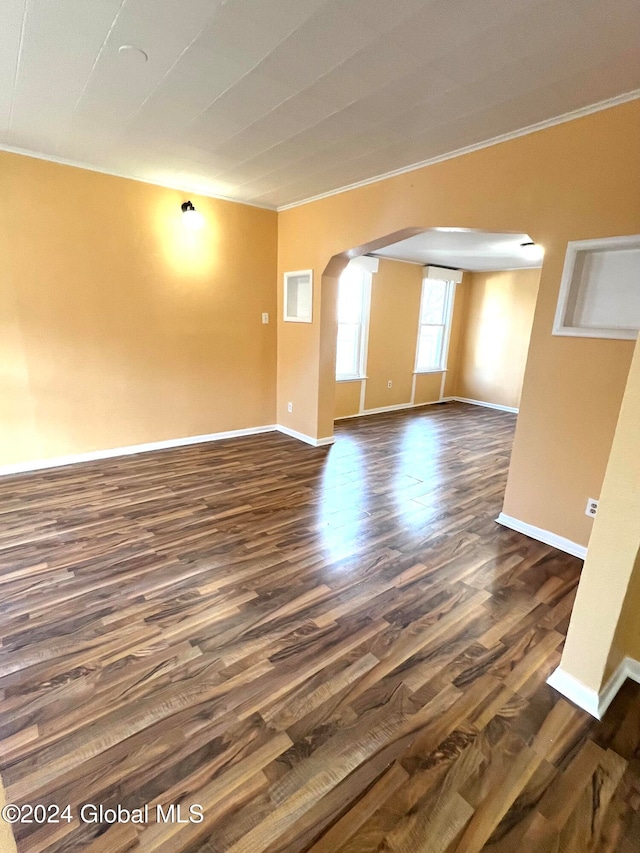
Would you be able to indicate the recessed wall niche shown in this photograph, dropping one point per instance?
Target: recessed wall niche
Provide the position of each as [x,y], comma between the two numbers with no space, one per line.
[298,296]
[600,289]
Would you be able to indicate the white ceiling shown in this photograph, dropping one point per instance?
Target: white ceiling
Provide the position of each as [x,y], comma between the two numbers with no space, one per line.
[463,249]
[275,101]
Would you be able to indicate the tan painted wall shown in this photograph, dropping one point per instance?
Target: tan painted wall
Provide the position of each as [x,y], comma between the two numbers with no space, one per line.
[393,329]
[347,398]
[120,327]
[574,181]
[428,387]
[496,334]
[7,841]
[456,338]
[605,621]
[627,637]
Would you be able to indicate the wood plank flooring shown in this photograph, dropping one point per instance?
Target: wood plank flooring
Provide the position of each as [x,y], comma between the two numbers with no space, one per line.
[327,650]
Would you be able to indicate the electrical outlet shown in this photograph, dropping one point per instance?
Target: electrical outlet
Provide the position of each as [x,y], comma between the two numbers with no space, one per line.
[289,407]
[265,317]
[389,384]
[592,507]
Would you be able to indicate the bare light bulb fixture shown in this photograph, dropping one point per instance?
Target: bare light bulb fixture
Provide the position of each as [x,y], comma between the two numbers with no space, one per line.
[532,251]
[190,216]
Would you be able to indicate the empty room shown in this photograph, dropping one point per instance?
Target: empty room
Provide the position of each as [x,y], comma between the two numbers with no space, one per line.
[319,426]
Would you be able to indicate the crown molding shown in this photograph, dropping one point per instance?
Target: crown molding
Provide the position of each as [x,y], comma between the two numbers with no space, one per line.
[87,167]
[478,146]
[458,152]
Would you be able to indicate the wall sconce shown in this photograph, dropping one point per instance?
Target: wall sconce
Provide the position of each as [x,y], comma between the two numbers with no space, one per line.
[190,216]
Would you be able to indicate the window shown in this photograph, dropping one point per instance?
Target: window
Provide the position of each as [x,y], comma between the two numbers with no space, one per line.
[354,293]
[433,331]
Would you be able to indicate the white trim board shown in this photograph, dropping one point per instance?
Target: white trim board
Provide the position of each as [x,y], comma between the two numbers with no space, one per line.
[187,188]
[397,408]
[478,146]
[497,406]
[587,698]
[129,450]
[459,152]
[546,536]
[308,439]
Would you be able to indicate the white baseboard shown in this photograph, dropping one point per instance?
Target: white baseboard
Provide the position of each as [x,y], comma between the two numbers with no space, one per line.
[486,405]
[129,450]
[587,698]
[301,436]
[546,536]
[575,691]
[95,455]
[397,408]
[400,406]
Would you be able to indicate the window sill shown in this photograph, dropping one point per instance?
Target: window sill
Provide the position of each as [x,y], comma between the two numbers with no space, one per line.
[432,370]
[350,378]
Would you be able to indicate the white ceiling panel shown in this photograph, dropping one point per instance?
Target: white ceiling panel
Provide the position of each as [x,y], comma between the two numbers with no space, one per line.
[321,43]
[474,251]
[358,76]
[60,43]
[403,95]
[251,29]
[273,102]
[278,126]
[252,97]
[285,157]
[119,85]
[199,77]
[13,17]
[443,27]
[384,16]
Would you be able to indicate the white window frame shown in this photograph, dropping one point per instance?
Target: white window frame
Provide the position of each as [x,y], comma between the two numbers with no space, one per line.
[367,277]
[446,336]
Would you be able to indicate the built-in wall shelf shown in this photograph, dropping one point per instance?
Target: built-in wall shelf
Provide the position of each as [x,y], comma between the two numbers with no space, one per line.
[298,296]
[600,289]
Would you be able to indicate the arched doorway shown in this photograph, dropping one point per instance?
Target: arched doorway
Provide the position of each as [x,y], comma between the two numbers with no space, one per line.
[425,336]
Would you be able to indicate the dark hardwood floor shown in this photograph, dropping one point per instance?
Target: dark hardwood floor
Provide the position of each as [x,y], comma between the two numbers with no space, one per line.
[334,651]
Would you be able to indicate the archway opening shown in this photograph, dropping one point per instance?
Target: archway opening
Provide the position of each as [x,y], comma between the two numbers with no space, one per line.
[427,315]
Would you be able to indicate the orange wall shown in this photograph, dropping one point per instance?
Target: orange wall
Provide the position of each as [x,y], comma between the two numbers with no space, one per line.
[120,327]
[428,387]
[393,325]
[577,180]
[495,338]
[456,337]
[348,398]
[605,625]
[626,641]
[7,841]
